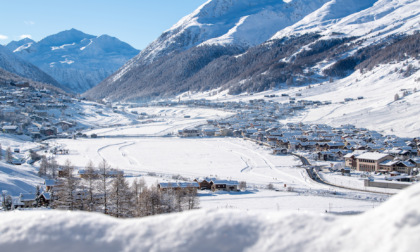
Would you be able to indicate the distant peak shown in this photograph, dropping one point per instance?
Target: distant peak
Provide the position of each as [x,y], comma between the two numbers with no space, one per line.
[66,37]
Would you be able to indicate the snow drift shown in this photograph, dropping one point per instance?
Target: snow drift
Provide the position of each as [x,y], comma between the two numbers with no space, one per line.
[394,226]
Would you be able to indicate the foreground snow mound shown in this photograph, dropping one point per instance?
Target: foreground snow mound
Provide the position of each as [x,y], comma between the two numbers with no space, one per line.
[392,227]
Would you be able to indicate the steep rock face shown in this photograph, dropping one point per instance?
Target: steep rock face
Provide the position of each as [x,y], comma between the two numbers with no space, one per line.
[261,45]
[11,63]
[77,60]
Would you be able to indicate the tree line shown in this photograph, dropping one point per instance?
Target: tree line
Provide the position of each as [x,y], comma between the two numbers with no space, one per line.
[104,189]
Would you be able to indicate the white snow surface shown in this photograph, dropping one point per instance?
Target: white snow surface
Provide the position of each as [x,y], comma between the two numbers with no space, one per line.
[372,20]
[394,226]
[18,179]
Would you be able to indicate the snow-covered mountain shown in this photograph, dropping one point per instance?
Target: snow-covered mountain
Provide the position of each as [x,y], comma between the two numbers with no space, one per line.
[252,46]
[77,60]
[14,64]
[241,23]
[20,45]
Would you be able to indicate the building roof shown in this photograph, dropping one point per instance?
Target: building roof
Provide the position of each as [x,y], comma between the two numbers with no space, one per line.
[226,182]
[49,182]
[179,185]
[47,195]
[10,127]
[372,156]
[27,197]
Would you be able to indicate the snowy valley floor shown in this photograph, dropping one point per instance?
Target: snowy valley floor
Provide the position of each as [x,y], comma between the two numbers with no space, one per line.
[153,152]
[258,219]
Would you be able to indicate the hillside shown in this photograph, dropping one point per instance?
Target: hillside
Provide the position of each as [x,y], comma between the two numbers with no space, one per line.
[13,64]
[319,41]
[77,60]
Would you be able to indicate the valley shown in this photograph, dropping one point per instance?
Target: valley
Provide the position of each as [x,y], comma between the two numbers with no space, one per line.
[269,125]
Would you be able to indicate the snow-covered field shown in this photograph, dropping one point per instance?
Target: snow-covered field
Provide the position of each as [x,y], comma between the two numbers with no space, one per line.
[393,226]
[146,150]
[18,179]
[151,150]
[160,121]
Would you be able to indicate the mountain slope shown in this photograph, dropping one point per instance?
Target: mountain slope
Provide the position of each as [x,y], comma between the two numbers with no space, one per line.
[217,46]
[241,23]
[20,45]
[14,64]
[77,60]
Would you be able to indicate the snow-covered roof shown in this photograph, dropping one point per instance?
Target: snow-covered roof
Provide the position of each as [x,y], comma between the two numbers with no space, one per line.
[10,127]
[372,156]
[179,185]
[47,195]
[226,182]
[27,197]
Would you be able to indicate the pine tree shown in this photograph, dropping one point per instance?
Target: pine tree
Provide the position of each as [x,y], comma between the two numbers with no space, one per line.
[1,152]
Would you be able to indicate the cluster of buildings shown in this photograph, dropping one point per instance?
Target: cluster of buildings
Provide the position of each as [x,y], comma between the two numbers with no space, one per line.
[38,113]
[382,162]
[361,149]
[213,184]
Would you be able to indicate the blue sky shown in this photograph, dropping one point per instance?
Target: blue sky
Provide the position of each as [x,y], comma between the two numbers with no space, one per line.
[137,22]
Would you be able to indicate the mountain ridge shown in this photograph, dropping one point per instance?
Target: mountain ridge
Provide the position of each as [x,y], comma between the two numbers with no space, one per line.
[13,64]
[341,29]
[75,59]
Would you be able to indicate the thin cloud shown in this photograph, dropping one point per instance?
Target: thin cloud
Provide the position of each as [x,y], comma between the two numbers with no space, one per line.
[29,23]
[25,36]
[3,37]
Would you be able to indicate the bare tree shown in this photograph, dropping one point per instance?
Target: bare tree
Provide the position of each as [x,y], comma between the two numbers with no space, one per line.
[53,165]
[91,176]
[192,198]
[104,169]
[66,189]
[9,155]
[155,200]
[43,166]
[1,152]
[138,186]
[5,204]
[120,197]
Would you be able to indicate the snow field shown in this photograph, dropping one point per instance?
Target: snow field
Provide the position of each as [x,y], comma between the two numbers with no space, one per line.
[393,226]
